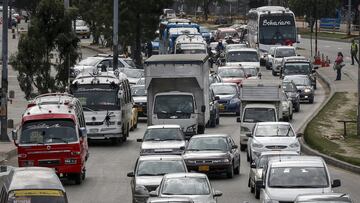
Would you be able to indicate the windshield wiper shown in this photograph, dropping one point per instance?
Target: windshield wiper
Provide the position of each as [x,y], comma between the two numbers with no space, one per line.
[61,139]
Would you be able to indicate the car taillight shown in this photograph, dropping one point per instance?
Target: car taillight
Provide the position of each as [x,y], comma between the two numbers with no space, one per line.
[75,153]
[22,156]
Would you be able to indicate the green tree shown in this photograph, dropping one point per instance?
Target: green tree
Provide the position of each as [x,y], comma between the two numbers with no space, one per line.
[49,32]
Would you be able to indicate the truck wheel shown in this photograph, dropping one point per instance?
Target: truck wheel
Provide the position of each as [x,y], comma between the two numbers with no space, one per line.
[201,129]
[257,192]
[242,147]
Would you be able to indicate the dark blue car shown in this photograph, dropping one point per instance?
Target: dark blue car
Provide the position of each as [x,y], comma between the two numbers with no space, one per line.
[229,97]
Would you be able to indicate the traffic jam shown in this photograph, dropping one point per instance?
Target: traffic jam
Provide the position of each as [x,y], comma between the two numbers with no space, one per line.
[193,77]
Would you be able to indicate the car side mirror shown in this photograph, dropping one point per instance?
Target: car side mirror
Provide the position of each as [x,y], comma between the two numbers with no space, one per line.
[131,174]
[83,132]
[253,165]
[182,148]
[235,147]
[203,108]
[217,98]
[238,119]
[316,67]
[336,183]
[153,194]
[299,135]
[217,193]
[139,140]
[248,135]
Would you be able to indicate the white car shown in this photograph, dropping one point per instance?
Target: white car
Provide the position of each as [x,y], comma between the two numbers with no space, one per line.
[82,29]
[270,136]
[275,57]
[286,179]
[242,56]
[287,108]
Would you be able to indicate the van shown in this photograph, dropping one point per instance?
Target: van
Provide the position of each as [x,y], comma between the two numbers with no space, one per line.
[31,184]
[53,134]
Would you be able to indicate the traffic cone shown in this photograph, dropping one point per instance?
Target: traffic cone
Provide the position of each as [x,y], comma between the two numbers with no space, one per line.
[322,60]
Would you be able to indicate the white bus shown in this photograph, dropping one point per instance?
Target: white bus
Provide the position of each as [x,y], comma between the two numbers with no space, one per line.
[270,26]
[107,103]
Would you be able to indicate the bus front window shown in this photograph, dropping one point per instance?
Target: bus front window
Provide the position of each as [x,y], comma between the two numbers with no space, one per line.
[277,29]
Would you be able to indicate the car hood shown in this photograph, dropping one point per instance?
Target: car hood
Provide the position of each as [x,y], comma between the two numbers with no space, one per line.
[290,194]
[225,97]
[275,140]
[81,28]
[139,99]
[171,144]
[148,180]
[204,155]
[233,80]
[195,198]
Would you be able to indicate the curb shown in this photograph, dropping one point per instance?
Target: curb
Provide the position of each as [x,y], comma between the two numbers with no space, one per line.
[306,149]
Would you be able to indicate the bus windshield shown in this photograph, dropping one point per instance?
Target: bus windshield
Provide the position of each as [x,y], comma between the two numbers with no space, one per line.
[277,29]
[37,196]
[48,131]
[98,100]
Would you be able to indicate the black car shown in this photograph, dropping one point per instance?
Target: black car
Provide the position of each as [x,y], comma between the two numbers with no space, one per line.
[291,91]
[304,86]
[298,65]
[214,109]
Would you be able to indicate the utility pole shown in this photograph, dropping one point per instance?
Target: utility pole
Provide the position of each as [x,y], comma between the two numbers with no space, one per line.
[66,7]
[116,35]
[316,27]
[4,76]
[349,18]
[269,2]
[358,110]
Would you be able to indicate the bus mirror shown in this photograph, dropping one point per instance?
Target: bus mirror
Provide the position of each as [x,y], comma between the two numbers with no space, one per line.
[82,132]
[120,94]
[298,39]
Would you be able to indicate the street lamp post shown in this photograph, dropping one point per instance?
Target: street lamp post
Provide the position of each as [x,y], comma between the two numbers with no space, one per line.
[358,110]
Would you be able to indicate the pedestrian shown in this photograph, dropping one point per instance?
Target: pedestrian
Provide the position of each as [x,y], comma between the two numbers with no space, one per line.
[338,65]
[354,51]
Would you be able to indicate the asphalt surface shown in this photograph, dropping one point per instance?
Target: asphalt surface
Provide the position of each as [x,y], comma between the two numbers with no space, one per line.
[108,165]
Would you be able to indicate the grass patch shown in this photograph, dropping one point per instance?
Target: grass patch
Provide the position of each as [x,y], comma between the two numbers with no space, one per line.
[332,35]
[322,123]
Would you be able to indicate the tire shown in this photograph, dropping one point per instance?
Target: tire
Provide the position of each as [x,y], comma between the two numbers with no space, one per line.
[311,100]
[257,192]
[78,178]
[242,147]
[237,114]
[291,116]
[213,123]
[115,140]
[247,156]
[237,169]
[297,108]
[230,171]
[218,121]
[273,72]
[201,129]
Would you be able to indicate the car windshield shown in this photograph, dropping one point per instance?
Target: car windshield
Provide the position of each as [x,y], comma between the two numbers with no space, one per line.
[133,73]
[254,115]
[299,81]
[297,68]
[48,131]
[276,130]
[138,91]
[185,186]
[232,34]
[281,53]
[80,23]
[98,100]
[90,61]
[130,62]
[263,160]
[289,87]
[171,104]
[159,167]
[208,143]
[298,177]
[250,72]
[242,56]
[36,196]
[231,73]
[235,46]
[224,89]
[161,134]
[141,81]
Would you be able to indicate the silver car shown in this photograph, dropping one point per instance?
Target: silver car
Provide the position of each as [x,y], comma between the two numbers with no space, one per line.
[304,86]
[324,197]
[195,186]
[286,179]
[148,172]
[169,200]
[256,169]
[272,136]
[163,139]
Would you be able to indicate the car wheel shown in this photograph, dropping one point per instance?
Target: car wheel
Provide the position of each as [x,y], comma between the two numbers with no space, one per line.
[311,100]
[218,120]
[78,178]
[201,129]
[273,72]
[297,107]
[291,116]
[237,169]
[242,147]
[230,171]
[237,113]
[247,156]
[257,192]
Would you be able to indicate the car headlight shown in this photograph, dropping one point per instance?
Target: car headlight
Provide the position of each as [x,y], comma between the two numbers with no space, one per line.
[190,161]
[234,100]
[257,145]
[295,145]
[191,128]
[307,90]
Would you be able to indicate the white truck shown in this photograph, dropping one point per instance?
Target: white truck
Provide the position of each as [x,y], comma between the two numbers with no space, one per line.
[178,91]
[261,101]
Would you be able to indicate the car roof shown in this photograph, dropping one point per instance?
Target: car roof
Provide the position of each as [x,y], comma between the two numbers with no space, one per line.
[296,76]
[133,86]
[242,49]
[25,178]
[163,126]
[224,84]
[161,158]
[170,200]
[298,161]
[185,175]
[280,153]
[174,92]
[324,196]
[284,47]
[273,123]
[209,135]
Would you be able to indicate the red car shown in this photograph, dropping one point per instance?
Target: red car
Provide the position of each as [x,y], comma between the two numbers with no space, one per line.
[231,74]
[53,134]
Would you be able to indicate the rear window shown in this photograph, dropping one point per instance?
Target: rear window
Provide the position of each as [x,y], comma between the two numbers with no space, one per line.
[36,196]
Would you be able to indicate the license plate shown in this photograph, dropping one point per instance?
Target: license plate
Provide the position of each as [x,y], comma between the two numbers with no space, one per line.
[93,130]
[204,168]
[221,107]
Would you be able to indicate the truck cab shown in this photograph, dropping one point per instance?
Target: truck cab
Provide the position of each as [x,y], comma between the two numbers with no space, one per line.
[53,134]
